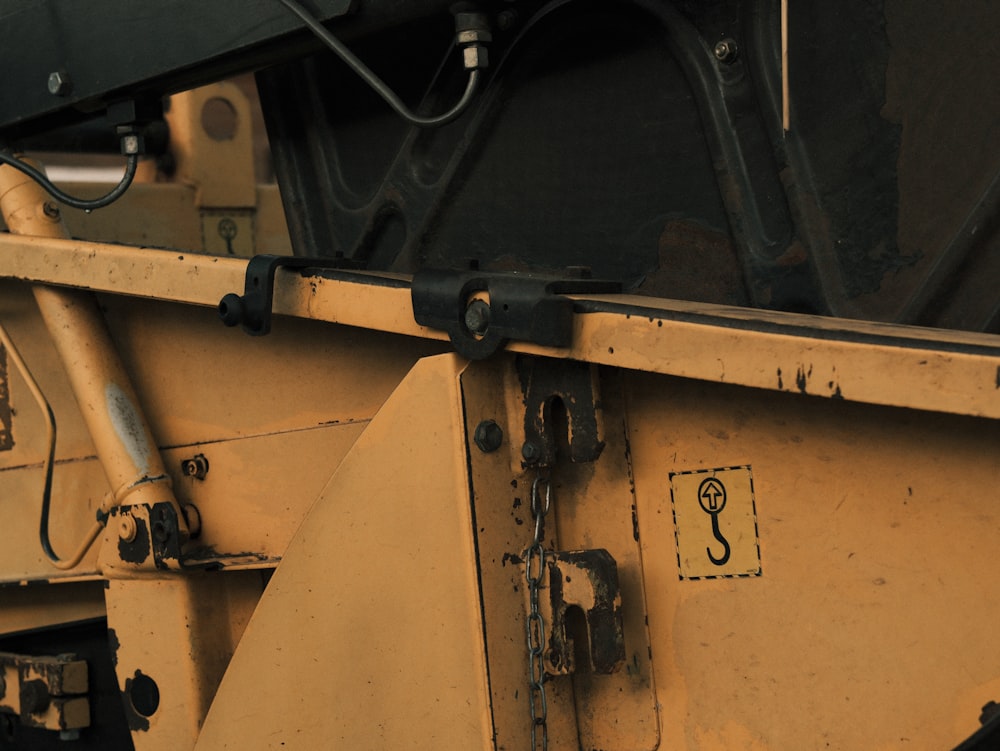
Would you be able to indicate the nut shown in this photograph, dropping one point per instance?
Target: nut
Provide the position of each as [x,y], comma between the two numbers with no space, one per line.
[59,83]
[488,436]
[475,57]
[531,452]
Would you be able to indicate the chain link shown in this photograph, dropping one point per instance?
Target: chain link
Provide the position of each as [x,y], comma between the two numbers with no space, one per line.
[534,572]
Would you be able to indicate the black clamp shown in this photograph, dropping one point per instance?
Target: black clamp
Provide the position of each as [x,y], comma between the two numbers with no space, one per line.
[482,311]
[253,307]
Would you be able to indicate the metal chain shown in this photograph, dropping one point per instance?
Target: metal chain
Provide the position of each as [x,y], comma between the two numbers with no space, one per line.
[534,625]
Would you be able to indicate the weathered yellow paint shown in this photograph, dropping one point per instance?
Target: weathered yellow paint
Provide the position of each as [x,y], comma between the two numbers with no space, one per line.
[866,627]
[385,648]
[946,371]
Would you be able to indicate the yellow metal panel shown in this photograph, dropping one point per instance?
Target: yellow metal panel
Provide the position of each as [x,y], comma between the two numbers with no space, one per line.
[369,634]
[38,606]
[866,629]
[178,632]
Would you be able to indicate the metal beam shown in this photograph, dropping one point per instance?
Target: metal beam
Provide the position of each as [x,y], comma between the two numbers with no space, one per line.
[902,366]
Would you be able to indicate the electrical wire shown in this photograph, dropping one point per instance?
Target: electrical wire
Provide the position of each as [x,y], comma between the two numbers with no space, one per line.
[88,205]
[376,83]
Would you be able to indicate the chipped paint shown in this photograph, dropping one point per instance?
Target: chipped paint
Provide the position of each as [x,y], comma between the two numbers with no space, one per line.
[129,427]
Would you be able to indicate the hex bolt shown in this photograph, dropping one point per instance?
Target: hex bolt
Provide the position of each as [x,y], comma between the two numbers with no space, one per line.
[127,528]
[59,83]
[488,436]
[477,317]
[531,452]
[726,51]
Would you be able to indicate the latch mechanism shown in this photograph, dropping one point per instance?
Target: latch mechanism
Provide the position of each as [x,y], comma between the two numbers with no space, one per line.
[482,311]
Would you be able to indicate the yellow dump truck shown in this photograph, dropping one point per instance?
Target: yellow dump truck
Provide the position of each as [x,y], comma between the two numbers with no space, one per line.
[607,375]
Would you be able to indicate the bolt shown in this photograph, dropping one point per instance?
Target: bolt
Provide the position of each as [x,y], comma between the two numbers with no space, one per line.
[531,452]
[59,83]
[50,210]
[196,467]
[477,317]
[161,533]
[126,529]
[34,696]
[488,436]
[726,51]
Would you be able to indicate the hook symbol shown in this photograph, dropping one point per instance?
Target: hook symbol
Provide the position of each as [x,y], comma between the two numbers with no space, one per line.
[712,497]
[725,543]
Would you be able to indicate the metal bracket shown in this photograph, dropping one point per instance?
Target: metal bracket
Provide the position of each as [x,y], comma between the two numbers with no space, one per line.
[482,311]
[585,581]
[253,307]
[146,530]
[45,692]
[575,385]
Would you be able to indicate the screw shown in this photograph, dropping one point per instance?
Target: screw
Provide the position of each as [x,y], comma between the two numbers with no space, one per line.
[531,452]
[50,210]
[126,529]
[488,436]
[59,83]
[726,51]
[477,317]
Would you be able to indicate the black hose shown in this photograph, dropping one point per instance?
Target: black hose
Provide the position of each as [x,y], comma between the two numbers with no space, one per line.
[131,164]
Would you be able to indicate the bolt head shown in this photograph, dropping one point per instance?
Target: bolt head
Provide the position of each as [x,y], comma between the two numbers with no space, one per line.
[126,529]
[726,51]
[488,436]
[477,317]
[59,83]
[531,452]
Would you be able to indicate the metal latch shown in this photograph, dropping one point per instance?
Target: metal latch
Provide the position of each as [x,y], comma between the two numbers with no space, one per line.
[482,311]
[583,613]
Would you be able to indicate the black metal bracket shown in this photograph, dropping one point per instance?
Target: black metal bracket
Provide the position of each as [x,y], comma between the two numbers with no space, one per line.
[481,311]
[253,307]
[574,384]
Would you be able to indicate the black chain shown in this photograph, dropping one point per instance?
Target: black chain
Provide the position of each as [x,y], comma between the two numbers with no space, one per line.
[534,625]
